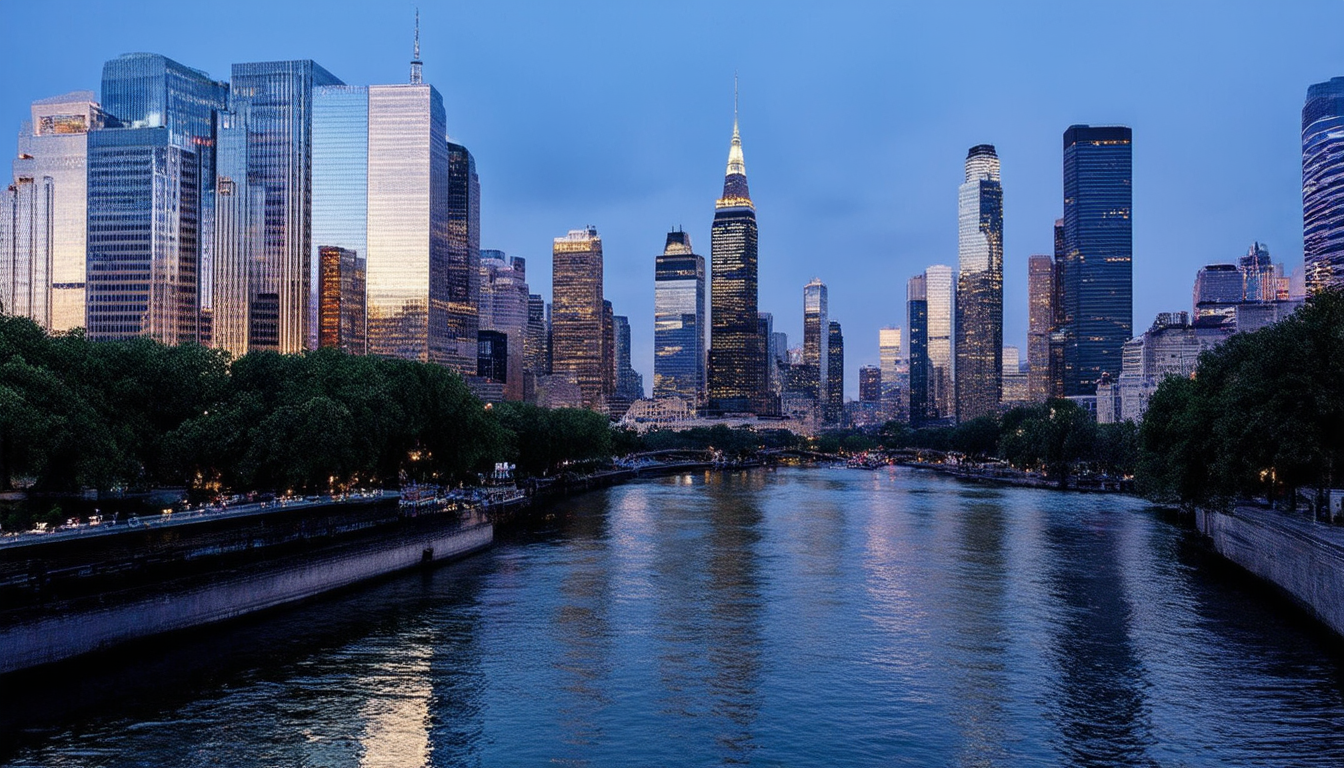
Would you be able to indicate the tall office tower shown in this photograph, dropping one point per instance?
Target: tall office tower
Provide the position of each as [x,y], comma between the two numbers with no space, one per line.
[608,350]
[150,201]
[870,384]
[578,333]
[895,372]
[380,188]
[1323,185]
[464,259]
[940,283]
[503,307]
[979,318]
[816,340]
[735,348]
[1040,319]
[765,328]
[1014,378]
[1059,335]
[1097,270]
[43,213]
[917,320]
[679,321]
[835,373]
[629,384]
[340,300]
[262,231]
[1259,277]
[535,357]
[1218,291]
[777,350]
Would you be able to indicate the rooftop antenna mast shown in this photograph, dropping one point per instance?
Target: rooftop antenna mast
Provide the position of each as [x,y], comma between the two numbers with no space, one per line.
[416,64]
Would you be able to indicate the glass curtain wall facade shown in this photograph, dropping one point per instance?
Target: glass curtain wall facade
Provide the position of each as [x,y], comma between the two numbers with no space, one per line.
[578,332]
[941,290]
[835,373]
[464,258]
[895,372]
[679,321]
[736,383]
[283,271]
[816,341]
[917,320]
[1040,320]
[150,206]
[340,300]
[1097,270]
[1323,185]
[340,161]
[503,307]
[979,305]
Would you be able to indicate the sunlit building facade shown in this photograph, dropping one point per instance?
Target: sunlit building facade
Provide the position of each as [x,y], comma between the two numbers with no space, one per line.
[340,300]
[1096,272]
[150,200]
[816,340]
[941,291]
[1040,321]
[1323,185]
[43,213]
[895,372]
[679,321]
[578,331]
[979,304]
[735,373]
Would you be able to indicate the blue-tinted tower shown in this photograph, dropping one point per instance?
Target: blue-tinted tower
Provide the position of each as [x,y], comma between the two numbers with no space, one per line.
[679,321]
[1323,185]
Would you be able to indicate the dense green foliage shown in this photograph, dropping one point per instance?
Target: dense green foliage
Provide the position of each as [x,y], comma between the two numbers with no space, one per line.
[731,441]
[138,414]
[1263,415]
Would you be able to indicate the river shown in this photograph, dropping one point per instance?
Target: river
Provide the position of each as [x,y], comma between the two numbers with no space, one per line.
[791,617]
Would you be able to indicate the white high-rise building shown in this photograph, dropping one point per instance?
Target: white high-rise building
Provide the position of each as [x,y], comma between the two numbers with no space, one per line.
[941,287]
[895,371]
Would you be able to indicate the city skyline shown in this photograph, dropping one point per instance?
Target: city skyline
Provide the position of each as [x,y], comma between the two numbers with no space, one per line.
[1187,206]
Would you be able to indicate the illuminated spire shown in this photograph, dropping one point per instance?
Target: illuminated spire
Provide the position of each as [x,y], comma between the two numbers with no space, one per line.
[416,64]
[735,180]
[735,163]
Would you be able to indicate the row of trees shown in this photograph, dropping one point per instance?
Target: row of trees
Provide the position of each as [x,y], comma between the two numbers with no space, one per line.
[137,413]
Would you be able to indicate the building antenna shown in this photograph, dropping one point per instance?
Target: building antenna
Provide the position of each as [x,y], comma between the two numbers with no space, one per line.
[416,65]
[734,97]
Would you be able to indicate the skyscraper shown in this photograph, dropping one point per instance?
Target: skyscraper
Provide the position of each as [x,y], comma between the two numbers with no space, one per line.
[979,323]
[340,300]
[503,307]
[150,201]
[629,384]
[870,384]
[271,109]
[1259,277]
[1218,291]
[43,213]
[1059,333]
[816,340]
[917,320]
[735,367]
[1323,185]
[536,355]
[1097,271]
[1040,319]
[895,372]
[464,259]
[940,284]
[835,373]
[578,333]
[679,321]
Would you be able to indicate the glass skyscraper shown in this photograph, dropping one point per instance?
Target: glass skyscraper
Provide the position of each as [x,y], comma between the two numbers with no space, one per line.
[941,292]
[43,213]
[736,369]
[1040,320]
[679,321]
[341,313]
[578,327]
[835,373]
[1097,270]
[1323,185]
[150,205]
[380,187]
[895,371]
[503,307]
[917,320]
[464,258]
[979,305]
[816,342]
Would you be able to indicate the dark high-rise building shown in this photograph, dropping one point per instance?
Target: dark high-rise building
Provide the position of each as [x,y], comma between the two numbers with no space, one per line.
[835,373]
[1040,319]
[271,104]
[150,199]
[1323,185]
[492,356]
[870,384]
[340,300]
[629,384]
[463,264]
[979,305]
[1218,290]
[735,346]
[1058,364]
[917,321]
[578,325]
[1259,278]
[608,350]
[1097,270]
[816,340]
[536,357]
[679,321]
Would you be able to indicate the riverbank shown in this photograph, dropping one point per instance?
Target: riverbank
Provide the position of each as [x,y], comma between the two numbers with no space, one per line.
[1018,479]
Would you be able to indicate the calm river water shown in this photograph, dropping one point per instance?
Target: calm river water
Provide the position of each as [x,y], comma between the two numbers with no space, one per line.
[792,617]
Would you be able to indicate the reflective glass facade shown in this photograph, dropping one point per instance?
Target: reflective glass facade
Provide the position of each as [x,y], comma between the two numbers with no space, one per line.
[679,321]
[835,373]
[979,305]
[463,275]
[340,159]
[1097,269]
[504,308]
[917,320]
[895,372]
[578,330]
[1040,320]
[340,300]
[736,371]
[816,341]
[941,291]
[1323,185]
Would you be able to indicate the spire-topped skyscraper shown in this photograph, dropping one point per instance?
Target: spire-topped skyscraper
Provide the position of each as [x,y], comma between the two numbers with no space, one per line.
[736,349]
[417,66]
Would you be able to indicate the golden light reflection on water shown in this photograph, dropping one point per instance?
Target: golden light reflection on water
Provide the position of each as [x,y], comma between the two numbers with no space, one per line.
[396,718]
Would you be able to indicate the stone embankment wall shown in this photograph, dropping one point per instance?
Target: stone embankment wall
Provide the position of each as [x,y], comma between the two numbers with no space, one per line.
[58,636]
[1303,558]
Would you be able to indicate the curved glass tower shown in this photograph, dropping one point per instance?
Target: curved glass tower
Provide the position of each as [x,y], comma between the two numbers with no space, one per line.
[1323,185]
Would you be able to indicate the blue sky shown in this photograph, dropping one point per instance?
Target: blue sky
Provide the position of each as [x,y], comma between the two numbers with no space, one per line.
[856,118]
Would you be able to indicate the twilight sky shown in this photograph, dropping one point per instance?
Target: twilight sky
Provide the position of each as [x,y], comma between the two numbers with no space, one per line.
[856,118]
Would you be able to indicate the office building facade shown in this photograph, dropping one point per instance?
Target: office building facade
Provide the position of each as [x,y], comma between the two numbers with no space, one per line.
[578,331]
[462,267]
[979,305]
[816,340]
[941,290]
[679,321]
[917,323]
[835,373]
[1323,185]
[1040,322]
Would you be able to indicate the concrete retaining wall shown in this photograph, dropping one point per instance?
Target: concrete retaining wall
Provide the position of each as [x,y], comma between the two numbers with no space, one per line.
[57,637]
[1303,558]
